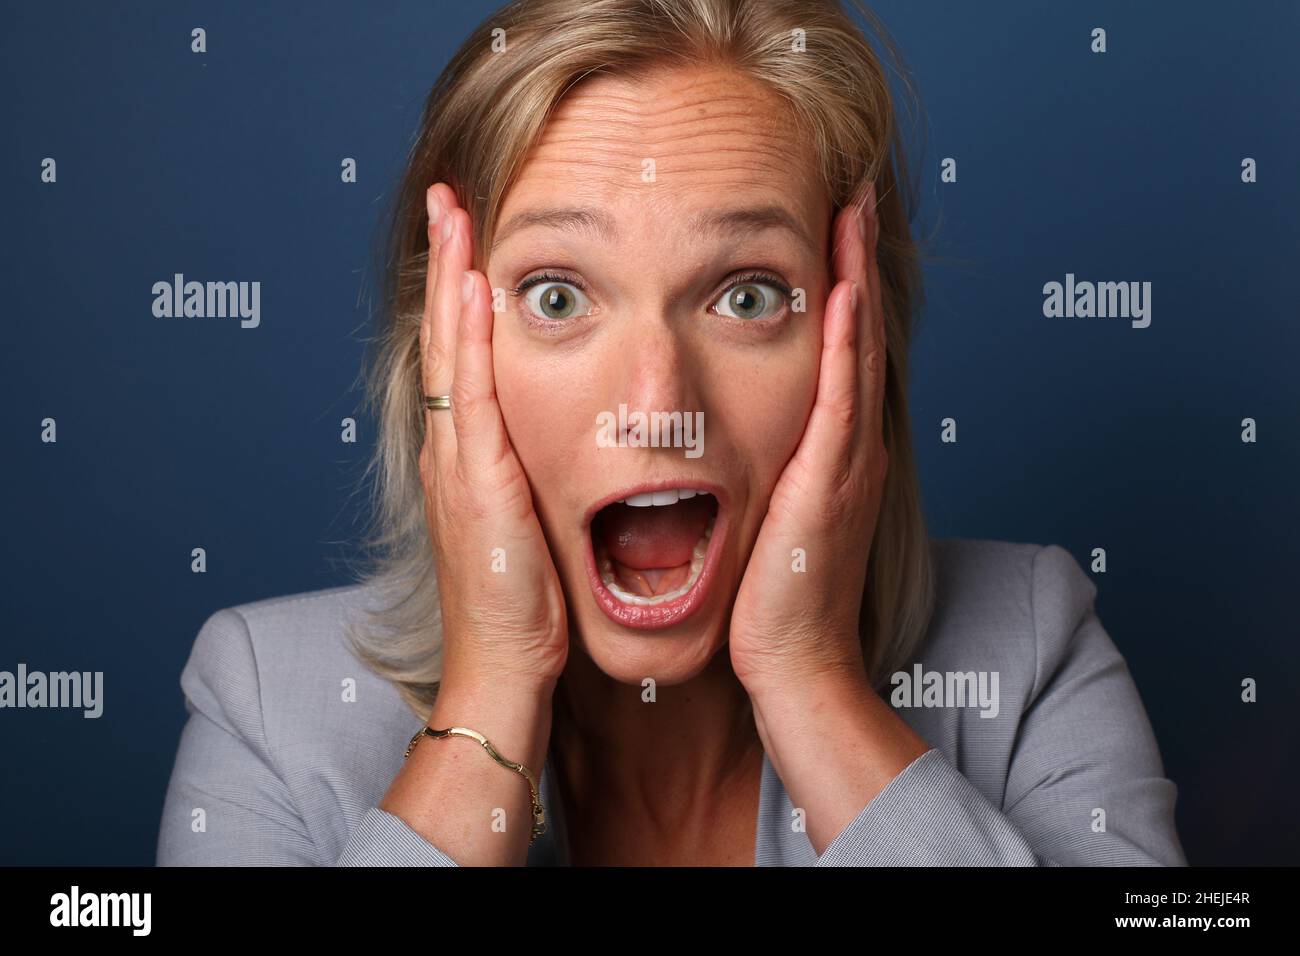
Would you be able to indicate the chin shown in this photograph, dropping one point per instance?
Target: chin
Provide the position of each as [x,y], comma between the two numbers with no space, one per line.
[630,656]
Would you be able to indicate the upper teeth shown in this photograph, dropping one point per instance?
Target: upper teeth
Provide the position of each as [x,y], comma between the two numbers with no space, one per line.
[669,496]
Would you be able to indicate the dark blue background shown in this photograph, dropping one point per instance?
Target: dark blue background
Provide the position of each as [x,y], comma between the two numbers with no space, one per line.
[174,434]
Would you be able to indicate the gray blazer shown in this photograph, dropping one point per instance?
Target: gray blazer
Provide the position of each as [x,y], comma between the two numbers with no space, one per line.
[285,771]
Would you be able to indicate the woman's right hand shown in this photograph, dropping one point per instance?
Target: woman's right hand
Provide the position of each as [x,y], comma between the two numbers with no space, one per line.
[503,613]
[504,625]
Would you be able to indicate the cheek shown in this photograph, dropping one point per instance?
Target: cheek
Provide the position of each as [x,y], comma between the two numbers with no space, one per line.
[544,401]
[763,403]
[524,396]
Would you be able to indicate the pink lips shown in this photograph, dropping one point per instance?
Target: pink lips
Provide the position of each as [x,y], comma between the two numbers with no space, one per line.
[658,616]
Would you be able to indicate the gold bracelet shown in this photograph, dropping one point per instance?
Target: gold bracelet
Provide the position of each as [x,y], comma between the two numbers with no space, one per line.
[539,816]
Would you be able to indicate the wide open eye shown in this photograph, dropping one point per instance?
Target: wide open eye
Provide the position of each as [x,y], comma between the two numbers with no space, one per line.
[753,300]
[553,299]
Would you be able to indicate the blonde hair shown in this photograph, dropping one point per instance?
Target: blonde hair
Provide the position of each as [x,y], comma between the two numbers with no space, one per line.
[483,114]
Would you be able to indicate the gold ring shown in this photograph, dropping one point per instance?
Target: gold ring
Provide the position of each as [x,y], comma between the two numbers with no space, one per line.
[437,401]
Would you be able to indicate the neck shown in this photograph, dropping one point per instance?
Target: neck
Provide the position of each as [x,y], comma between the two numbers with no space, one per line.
[696,740]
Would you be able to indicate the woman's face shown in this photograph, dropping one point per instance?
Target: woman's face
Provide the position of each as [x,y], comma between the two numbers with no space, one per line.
[671,235]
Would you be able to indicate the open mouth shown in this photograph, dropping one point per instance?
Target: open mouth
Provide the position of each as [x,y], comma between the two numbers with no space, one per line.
[651,554]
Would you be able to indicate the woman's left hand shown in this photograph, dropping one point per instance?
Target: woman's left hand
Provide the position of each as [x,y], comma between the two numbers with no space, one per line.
[795,645]
[796,614]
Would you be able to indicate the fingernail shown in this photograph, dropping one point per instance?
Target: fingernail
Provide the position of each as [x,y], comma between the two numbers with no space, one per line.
[446,228]
[434,206]
[466,285]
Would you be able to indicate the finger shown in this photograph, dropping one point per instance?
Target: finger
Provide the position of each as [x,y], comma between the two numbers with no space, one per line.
[826,446]
[447,201]
[435,372]
[855,259]
[481,441]
[438,198]
[453,259]
[874,351]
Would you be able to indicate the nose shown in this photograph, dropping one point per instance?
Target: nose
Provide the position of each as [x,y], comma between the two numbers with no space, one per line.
[659,373]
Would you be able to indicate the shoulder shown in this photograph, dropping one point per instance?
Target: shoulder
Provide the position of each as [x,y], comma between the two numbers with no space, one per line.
[1007,618]
[1010,602]
[283,668]
[307,725]
[304,632]
[1028,697]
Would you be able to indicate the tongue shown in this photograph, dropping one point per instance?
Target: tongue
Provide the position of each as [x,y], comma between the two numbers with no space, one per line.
[654,540]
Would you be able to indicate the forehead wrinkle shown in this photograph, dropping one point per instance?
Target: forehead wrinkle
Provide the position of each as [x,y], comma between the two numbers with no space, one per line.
[718,223]
[740,164]
[621,117]
[630,99]
[705,138]
[684,165]
[690,134]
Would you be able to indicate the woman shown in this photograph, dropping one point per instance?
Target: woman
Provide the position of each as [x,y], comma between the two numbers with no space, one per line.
[651,224]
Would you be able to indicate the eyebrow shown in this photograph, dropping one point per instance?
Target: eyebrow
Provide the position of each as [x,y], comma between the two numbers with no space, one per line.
[711,223]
